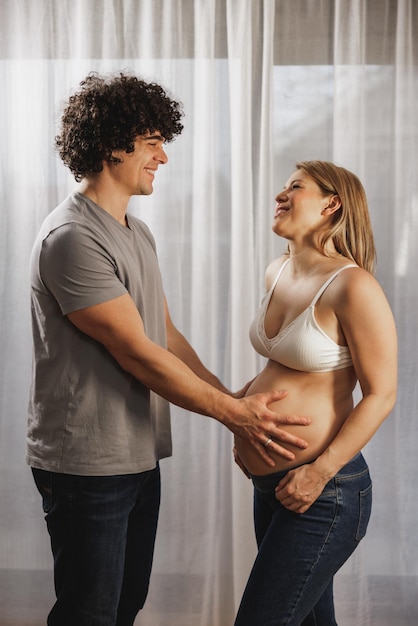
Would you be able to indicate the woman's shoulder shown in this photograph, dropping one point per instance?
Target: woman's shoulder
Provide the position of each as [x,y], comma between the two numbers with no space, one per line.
[356,286]
[353,276]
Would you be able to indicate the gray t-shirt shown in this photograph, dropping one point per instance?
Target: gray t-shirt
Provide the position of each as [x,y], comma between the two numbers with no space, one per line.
[87,416]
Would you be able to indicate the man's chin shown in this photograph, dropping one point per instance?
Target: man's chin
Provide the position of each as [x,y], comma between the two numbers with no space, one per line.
[145,192]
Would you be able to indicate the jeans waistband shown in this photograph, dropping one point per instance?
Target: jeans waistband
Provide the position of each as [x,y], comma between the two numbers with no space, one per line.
[348,468]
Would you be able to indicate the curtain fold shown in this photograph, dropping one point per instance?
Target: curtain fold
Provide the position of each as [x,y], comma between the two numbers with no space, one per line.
[264,84]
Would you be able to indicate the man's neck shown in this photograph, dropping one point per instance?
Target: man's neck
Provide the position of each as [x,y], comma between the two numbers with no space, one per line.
[107,197]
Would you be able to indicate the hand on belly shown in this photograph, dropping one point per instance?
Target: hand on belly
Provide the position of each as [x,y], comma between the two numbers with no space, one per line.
[318,434]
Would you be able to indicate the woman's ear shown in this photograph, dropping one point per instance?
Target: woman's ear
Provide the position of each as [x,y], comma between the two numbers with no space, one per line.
[333,205]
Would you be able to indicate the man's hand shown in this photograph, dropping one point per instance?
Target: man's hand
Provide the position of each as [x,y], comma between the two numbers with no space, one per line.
[239,462]
[178,376]
[260,426]
[242,392]
[299,489]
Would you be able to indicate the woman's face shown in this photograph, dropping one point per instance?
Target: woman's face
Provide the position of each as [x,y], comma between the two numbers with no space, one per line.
[300,208]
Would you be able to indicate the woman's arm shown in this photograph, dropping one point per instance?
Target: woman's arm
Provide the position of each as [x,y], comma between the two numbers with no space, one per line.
[369,328]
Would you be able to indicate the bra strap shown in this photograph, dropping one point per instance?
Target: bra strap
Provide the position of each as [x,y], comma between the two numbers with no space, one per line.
[327,282]
[281,268]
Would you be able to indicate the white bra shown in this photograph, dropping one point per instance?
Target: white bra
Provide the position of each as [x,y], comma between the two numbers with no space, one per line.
[302,344]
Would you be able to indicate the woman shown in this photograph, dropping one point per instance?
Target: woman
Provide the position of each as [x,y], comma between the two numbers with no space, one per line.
[323,325]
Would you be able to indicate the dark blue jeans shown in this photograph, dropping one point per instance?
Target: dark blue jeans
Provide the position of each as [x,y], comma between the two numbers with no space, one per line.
[291,580]
[102,531]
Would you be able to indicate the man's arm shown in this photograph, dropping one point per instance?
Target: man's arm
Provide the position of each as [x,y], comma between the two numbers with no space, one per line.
[178,345]
[118,326]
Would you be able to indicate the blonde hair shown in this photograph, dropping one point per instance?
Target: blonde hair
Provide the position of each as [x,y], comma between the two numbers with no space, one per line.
[351,230]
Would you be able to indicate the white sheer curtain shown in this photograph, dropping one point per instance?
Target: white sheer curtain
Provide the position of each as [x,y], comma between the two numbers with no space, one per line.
[264,83]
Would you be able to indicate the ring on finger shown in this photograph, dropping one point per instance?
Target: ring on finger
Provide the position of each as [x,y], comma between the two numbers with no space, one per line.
[267,443]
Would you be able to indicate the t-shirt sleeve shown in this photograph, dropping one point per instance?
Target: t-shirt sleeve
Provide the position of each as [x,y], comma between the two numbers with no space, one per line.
[78,269]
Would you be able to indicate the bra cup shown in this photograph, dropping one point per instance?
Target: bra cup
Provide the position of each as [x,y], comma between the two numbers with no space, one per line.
[301,345]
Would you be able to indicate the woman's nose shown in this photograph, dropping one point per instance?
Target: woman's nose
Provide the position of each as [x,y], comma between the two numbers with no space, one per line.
[281,195]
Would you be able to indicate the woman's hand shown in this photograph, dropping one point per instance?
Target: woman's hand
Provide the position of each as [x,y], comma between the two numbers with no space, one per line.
[299,489]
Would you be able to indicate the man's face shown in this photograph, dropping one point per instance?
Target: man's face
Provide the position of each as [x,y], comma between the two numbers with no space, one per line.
[136,173]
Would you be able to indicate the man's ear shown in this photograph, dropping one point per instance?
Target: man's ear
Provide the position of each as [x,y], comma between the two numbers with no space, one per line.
[333,205]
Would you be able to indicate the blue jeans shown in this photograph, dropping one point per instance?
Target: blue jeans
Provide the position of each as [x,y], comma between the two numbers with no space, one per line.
[102,531]
[291,580]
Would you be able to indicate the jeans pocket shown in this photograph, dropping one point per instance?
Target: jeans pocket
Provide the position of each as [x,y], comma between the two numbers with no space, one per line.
[365,509]
[43,481]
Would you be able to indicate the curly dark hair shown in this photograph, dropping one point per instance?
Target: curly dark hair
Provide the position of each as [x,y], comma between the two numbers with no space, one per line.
[107,114]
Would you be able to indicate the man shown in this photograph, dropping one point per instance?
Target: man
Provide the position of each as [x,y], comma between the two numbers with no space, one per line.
[108,359]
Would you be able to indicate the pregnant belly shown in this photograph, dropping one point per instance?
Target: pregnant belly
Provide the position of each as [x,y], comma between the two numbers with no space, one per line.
[326,398]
